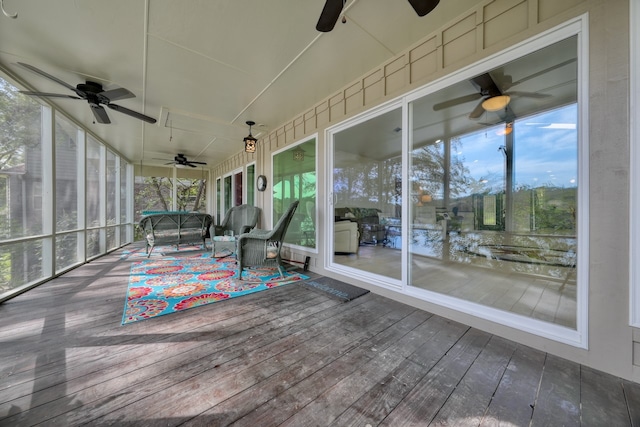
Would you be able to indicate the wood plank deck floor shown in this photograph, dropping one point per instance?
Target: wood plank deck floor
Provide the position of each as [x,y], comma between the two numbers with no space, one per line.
[285,357]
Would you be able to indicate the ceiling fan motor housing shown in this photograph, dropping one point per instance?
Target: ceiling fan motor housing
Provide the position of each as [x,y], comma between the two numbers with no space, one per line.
[91,87]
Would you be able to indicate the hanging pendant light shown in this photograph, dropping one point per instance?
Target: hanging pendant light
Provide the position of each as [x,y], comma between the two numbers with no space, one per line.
[250,141]
[298,154]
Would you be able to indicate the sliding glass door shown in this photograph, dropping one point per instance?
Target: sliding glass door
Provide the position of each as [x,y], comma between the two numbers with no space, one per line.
[472,197]
[367,195]
[494,193]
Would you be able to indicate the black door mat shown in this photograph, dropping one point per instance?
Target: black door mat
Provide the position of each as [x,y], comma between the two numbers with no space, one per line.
[335,288]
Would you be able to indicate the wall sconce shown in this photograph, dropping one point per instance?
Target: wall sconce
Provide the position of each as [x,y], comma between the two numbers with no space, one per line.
[250,141]
[496,103]
[298,154]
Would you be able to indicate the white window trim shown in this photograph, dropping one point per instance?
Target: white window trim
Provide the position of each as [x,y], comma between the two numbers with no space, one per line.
[634,170]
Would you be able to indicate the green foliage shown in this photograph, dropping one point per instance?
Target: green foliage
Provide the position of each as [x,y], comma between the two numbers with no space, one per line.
[555,209]
[155,194]
[19,125]
[428,166]
[5,271]
[66,244]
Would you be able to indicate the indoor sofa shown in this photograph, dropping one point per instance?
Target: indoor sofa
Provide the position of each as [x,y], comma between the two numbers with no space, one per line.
[346,238]
[369,228]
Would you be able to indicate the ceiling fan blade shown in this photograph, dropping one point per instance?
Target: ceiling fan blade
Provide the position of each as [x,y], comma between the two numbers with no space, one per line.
[530,94]
[542,72]
[422,7]
[477,112]
[329,16]
[116,94]
[191,165]
[197,163]
[456,101]
[132,113]
[47,95]
[49,76]
[100,114]
[485,84]
[502,80]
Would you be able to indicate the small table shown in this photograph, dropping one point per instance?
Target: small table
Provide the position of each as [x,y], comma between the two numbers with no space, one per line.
[222,246]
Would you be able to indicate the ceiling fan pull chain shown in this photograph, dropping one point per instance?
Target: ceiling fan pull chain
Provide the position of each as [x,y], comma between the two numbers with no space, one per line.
[8,15]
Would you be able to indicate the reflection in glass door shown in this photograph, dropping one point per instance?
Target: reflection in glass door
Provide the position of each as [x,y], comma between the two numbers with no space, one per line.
[237,188]
[251,185]
[367,189]
[227,193]
[219,207]
[495,192]
[294,178]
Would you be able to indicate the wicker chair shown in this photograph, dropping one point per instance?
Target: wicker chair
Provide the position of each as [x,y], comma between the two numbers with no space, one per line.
[239,219]
[262,247]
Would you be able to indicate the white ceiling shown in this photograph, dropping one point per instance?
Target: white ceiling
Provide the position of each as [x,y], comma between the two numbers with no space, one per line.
[203,68]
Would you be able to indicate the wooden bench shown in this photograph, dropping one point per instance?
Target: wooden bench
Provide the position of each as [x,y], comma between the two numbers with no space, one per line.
[173,228]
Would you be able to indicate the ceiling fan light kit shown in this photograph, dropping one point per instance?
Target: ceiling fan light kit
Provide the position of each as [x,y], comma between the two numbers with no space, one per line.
[493,94]
[250,141]
[496,103]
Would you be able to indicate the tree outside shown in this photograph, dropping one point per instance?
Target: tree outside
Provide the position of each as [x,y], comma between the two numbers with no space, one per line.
[20,174]
[155,194]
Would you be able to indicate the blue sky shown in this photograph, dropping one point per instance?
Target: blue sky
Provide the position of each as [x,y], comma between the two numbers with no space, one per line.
[545,151]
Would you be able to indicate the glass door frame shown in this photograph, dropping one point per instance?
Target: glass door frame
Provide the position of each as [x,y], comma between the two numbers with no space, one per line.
[232,191]
[329,263]
[577,337]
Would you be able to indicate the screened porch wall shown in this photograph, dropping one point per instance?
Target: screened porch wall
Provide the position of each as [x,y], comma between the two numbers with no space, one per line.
[65,194]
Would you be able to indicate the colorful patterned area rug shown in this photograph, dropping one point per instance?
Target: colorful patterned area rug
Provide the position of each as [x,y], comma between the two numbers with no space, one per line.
[162,251]
[163,286]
